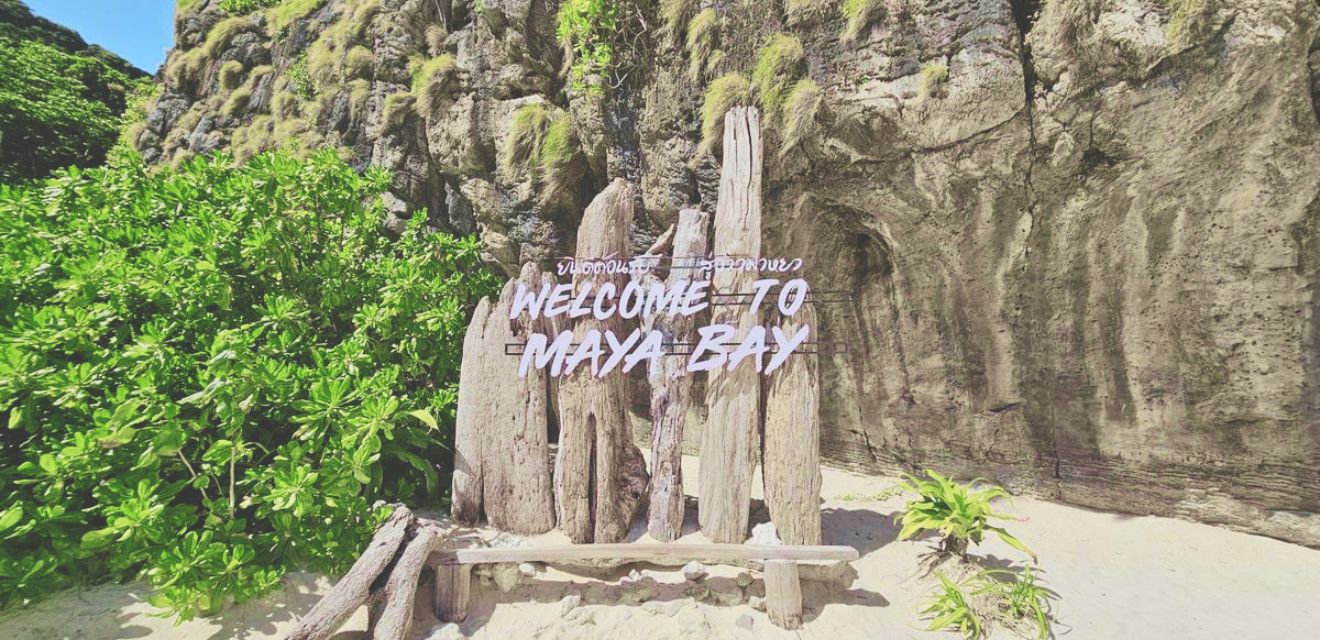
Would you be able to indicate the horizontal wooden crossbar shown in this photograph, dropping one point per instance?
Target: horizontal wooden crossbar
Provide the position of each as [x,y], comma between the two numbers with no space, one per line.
[644,552]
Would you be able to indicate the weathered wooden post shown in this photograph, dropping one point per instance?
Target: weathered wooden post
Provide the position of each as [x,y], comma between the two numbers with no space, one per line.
[600,476]
[465,501]
[790,461]
[501,447]
[729,440]
[671,386]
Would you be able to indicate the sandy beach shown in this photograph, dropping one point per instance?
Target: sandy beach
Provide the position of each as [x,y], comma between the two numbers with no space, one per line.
[1118,576]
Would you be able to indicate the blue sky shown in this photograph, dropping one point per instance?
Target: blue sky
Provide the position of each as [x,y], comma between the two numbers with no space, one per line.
[139,30]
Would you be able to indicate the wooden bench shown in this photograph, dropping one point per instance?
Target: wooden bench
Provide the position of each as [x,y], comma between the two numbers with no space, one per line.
[783,592]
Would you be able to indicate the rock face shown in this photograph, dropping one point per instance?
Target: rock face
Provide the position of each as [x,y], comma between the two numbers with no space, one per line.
[1080,238]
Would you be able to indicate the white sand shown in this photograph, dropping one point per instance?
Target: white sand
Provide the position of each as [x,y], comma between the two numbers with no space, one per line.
[1120,577]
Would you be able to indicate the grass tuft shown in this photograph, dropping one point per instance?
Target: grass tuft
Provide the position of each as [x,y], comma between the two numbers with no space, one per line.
[231,75]
[800,111]
[859,15]
[949,608]
[431,81]
[801,12]
[727,91]
[285,13]
[675,14]
[775,68]
[1180,11]
[933,76]
[397,106]
[359,62]
[542,143]
[702,35]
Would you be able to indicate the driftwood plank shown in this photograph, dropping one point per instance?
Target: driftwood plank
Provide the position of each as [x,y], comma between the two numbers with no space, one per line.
[353,590]
[671,386]
[791,453]
[658,553]
[467,480]
[729,441]
[598,469]
[516,490]
[783,594]
[453,591]
[394,619]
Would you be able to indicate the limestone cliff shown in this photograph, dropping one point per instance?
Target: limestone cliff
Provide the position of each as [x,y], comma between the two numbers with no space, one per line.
[1081,237]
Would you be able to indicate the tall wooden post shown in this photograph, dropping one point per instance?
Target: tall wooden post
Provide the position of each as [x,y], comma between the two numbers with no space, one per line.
[791,455]
[600,477]
[671,386]
[501,439]
[730,439]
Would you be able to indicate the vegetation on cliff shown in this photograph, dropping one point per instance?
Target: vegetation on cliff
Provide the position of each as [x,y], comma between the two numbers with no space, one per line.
[60,99]
[213,375]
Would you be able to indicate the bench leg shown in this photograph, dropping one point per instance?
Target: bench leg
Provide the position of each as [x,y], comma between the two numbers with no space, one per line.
[783,594]
[453,591]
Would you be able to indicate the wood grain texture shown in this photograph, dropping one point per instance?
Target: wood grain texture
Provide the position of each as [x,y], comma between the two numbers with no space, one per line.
[730,437]
[453,591]
[394,616]
[671,386]
[660,553]
[598,469]
[354,589]
[517,495]
[791,452]
[467,478]
[783,594]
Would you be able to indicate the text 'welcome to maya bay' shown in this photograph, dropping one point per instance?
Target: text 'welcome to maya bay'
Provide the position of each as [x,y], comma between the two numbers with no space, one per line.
[603,351]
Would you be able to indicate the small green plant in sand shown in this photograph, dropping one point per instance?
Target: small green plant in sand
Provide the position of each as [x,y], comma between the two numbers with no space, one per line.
[950,608]
[958,512]
[879,496]
[1019,597]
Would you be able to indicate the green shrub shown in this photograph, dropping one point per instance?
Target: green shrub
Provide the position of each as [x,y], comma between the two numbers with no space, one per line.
[948,608]
[956,511]
[1019,597]
[209,377]
[586,28]
[241,7]
[301,78]
[56,108]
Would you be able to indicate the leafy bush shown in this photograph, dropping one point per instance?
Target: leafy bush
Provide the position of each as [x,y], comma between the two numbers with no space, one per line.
[210,377]
[949,609]
[1019,597]
[56,108]
[958,512]
[241,7]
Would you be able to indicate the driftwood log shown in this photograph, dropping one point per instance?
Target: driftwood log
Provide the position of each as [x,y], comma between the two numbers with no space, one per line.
[671,385]
[368,581]
[501,441]
[600,476]
[791,450]
[729,440]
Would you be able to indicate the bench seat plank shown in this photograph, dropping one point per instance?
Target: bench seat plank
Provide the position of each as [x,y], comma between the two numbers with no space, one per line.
[645,552]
